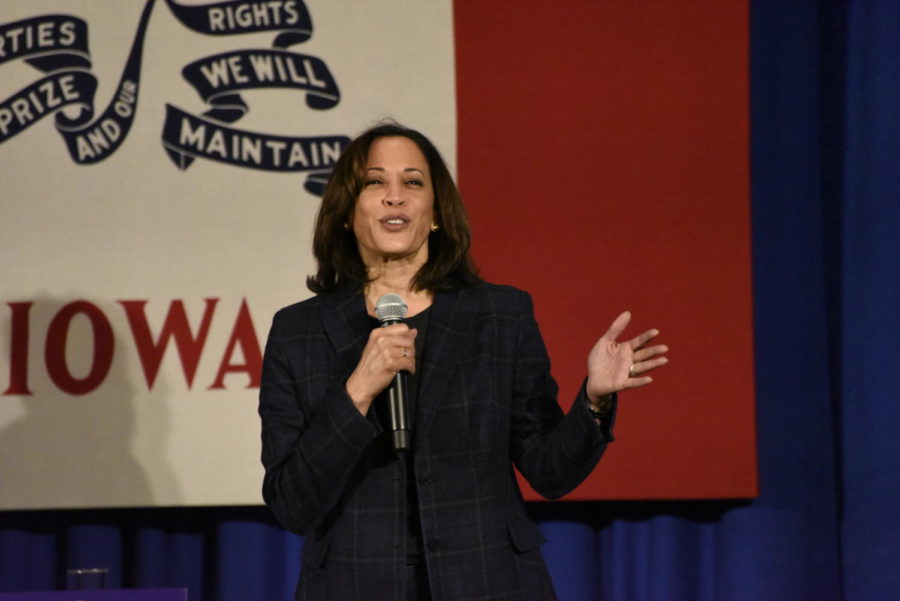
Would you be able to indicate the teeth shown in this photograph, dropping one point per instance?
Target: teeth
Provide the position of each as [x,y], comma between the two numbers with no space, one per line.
[395,221]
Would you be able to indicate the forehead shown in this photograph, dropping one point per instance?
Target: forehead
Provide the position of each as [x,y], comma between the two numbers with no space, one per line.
[397,152]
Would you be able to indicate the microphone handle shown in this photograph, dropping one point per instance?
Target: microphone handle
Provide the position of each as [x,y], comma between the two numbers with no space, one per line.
[398,408]
[399,411]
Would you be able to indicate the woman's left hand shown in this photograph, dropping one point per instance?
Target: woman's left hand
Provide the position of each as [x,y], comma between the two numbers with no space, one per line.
[614,366]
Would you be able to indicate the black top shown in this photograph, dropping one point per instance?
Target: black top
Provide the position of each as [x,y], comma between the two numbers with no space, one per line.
[414,547]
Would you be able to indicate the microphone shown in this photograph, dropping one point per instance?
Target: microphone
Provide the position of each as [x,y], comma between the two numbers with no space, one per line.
[391,309]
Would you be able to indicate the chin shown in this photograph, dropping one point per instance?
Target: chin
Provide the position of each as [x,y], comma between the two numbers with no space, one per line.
[396,253]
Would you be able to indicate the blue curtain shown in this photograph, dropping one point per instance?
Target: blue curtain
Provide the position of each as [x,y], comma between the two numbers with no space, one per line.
[825,79]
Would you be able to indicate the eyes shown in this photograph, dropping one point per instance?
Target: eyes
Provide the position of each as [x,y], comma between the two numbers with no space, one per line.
[374,182]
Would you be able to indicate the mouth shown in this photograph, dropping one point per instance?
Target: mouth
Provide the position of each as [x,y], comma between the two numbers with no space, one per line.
[395,222]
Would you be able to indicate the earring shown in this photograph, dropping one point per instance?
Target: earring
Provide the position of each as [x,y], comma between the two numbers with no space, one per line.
[434,227]
[346,226]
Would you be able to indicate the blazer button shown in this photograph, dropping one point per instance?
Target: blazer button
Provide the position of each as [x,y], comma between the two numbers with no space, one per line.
[433,544]
[425,480]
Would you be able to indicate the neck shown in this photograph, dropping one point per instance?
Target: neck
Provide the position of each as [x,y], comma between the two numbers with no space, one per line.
[389,278]
[393,275]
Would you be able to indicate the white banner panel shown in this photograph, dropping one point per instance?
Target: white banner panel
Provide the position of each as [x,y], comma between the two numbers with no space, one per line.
[161,165]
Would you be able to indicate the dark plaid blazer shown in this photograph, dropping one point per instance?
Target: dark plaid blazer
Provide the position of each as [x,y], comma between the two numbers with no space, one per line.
[486,401]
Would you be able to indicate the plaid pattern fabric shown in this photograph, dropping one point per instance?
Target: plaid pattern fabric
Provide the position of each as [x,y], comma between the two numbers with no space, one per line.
[486,401]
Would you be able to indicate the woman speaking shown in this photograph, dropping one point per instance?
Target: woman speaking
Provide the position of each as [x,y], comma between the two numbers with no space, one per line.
[440,517]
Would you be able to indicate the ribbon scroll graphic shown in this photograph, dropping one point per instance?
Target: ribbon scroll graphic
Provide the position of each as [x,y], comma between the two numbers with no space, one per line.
[57,45]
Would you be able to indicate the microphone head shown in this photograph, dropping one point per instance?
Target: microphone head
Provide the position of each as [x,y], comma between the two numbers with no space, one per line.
[390,307]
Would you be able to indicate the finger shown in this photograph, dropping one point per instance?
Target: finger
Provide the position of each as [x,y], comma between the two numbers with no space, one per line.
[618,326]
[649,352]
[407,358]
[387,336]
[642,339]
[394,338]
[638,382]
[392,330]
[396,348]
[645,366]
[397,363]
[390,349]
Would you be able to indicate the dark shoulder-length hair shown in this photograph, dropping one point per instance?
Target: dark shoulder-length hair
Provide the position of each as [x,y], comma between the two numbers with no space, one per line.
[449,266]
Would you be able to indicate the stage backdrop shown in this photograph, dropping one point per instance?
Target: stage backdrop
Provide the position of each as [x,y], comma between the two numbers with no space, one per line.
[162,163]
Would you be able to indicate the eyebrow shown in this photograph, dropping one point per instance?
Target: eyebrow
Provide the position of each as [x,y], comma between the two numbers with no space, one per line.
[407,170]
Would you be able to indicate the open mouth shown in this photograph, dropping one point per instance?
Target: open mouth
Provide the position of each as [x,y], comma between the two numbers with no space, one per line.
[395,221]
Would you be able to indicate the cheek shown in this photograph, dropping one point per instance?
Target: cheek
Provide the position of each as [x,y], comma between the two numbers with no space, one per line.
[360,225]
[361,210]
[429,211]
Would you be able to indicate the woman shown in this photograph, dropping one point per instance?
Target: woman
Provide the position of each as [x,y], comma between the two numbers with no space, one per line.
[445,520]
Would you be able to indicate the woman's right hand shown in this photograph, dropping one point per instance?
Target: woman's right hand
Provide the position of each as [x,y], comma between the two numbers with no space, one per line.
[389,350]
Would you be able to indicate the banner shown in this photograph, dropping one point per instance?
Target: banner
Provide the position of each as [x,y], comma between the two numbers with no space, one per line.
[163,161]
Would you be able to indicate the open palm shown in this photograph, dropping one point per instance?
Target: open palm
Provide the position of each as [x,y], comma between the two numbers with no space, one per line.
[614,366]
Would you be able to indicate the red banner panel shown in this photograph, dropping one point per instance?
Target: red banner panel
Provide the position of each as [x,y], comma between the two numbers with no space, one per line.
[604,158]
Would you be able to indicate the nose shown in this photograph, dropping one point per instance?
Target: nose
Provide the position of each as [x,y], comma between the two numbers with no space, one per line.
[393,195]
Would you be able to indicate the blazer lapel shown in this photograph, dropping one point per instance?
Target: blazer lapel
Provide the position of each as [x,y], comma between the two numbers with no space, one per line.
[452,314]
[347,326]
